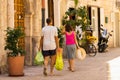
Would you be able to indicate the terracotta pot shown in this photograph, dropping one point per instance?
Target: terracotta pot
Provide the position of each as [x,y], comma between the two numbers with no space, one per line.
[16,66]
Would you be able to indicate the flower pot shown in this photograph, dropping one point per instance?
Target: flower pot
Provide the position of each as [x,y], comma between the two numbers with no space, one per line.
[16,66]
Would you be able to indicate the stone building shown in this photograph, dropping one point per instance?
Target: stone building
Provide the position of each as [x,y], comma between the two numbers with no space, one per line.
[31,15]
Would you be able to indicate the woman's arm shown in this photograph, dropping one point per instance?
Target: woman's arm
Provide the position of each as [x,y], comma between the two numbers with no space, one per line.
[63,31]
[76,42]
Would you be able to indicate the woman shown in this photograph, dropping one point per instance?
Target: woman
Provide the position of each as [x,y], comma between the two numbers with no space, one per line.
[71,44]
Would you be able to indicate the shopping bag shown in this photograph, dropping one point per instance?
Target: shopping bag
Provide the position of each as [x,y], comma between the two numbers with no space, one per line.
[39,59]
[59,62]
[81,53]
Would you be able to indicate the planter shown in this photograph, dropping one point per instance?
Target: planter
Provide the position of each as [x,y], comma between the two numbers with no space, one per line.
[16,66]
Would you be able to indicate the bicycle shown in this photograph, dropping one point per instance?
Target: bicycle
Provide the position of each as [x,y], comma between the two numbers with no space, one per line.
[89,46]
[91,49]
[87,42]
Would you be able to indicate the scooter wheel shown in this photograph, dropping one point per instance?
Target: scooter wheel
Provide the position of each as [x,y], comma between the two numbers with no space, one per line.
[100,50]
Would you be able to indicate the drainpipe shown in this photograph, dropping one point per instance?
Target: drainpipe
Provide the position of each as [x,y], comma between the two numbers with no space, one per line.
[43,13]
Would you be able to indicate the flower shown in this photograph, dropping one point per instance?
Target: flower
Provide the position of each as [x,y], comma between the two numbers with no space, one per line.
[91,39]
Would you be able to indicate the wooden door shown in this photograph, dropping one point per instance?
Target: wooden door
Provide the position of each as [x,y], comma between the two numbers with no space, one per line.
[19,17]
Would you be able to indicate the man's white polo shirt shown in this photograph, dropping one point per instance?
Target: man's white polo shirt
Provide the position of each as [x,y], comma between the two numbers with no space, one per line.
[49,33]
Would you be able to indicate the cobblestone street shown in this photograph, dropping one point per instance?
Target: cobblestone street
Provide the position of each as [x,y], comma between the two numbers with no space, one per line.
[91,68]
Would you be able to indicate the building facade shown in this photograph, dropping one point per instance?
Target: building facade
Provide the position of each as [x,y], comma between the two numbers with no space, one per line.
[31,14]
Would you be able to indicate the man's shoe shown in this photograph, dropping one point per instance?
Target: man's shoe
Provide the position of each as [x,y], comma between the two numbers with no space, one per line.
[45,72]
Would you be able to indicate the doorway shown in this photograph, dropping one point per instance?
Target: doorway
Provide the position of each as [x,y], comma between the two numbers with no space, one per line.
[51,10]
[117,32]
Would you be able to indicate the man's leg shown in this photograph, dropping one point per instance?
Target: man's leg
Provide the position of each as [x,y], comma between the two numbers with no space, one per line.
[46,60]
[53,59]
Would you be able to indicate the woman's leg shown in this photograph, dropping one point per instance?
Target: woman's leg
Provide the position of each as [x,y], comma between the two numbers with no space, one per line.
[72,64]
[71,49]
[69,64]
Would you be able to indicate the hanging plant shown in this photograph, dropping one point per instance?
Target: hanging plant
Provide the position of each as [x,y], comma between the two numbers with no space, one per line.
[77,17]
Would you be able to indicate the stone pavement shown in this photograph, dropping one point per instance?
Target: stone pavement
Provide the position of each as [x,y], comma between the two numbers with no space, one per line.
[104,66]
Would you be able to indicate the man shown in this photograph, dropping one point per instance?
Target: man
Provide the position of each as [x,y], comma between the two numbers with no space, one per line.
[48,44]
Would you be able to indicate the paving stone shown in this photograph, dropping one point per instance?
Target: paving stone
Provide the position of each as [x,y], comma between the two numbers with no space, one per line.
[104,66]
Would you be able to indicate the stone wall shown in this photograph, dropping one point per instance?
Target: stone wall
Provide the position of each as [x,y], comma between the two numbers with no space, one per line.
[109,7]
[3,25]
[32,29]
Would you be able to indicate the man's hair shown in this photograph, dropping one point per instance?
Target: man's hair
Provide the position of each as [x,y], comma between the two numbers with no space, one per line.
[48,20]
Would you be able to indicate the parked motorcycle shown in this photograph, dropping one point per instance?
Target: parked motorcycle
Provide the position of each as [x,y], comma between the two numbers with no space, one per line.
[102,44]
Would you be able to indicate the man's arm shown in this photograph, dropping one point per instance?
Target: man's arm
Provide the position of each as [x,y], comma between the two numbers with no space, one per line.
[57,41]
[41,43]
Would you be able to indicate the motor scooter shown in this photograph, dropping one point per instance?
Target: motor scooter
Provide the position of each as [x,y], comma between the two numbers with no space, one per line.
[102,44]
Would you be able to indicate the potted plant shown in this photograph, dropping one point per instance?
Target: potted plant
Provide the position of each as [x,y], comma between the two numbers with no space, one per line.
[61,39]
[60,36]
[15,52]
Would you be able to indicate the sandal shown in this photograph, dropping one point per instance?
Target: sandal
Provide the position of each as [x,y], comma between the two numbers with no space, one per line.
[45,72]
[72,70]
[69,68]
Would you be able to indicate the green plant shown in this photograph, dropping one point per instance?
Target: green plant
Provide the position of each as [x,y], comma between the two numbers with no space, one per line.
[60,36]
[13,35]
[77,17]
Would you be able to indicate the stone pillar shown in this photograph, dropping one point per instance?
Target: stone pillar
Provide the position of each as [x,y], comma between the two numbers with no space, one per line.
[10,13]
[3,25]
[57,12]
[36,28]
[28,38]
[32,29]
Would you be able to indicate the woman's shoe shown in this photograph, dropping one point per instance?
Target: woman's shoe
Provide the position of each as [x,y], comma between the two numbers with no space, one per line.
[69,68]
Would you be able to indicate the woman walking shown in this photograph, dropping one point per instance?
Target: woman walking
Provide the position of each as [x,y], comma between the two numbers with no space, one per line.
[71,44]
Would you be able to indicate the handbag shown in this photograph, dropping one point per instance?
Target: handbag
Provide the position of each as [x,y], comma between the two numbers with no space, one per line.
[59,62]
[81,53]
[39,59]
